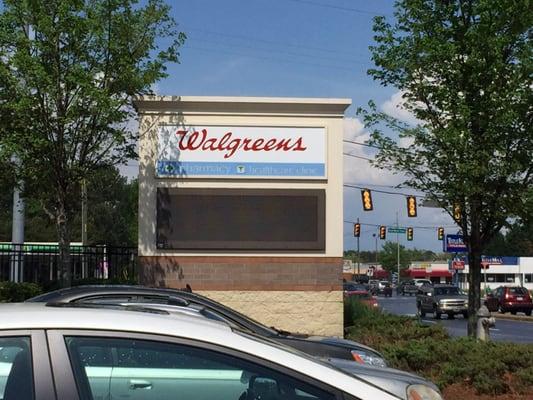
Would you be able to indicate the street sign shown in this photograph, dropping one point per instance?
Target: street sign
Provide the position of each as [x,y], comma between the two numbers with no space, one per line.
[458,265]
[396,230]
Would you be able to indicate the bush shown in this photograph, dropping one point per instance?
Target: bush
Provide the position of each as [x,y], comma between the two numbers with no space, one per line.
[54,285]
[16,292]
[490,367]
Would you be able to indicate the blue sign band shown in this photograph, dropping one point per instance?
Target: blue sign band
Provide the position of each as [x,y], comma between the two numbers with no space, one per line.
[184,169]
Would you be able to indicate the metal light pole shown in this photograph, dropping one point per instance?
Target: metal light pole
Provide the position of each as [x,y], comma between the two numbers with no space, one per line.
[376,240]
[17,237]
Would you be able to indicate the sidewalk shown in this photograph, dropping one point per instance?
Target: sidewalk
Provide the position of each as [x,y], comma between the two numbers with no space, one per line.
[512,317]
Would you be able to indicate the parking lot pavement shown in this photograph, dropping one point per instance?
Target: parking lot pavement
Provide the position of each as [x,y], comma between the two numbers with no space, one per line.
[517,331]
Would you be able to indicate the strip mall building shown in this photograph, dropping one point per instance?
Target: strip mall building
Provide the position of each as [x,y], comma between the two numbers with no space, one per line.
[241,198]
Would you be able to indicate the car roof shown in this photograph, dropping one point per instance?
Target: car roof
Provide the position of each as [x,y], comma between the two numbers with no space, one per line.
[41,316]
[74,292]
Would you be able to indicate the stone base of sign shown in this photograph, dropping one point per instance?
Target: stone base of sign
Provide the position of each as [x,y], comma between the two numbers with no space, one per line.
[318,313]
[298,294]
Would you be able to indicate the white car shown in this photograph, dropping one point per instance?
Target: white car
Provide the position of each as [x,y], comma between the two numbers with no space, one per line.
[83,352]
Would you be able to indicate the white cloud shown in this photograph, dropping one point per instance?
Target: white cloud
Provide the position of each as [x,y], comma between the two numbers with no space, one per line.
[358,170]
[395,108]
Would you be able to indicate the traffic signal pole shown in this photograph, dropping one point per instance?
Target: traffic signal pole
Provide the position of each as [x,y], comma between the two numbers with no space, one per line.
[358,265]
[398,245]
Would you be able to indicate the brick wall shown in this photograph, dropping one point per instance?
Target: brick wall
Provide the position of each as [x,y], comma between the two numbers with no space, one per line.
[243,273]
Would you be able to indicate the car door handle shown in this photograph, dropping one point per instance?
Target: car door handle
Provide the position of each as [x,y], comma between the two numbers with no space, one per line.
[140,384]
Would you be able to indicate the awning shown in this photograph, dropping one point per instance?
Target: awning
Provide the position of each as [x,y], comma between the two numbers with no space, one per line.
[422,273]
[380,273]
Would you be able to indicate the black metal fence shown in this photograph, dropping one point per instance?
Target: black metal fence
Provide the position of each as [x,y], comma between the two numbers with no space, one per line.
[39,263]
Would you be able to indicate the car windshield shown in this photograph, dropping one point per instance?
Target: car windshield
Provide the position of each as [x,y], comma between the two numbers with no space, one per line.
[446,291]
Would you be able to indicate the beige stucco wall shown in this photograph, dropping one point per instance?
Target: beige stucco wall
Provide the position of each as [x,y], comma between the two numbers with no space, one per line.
[318,313]
[148,182]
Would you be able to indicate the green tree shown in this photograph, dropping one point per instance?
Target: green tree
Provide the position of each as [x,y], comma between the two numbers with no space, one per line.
[388,257]
[465,70]
[68,72]
[112,212]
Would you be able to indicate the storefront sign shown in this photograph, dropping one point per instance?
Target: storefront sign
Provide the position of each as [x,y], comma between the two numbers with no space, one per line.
[241,152]
[499,260]
[458,265]
[454,244]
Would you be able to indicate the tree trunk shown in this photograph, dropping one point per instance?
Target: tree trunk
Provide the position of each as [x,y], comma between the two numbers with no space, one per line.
[63,233]
[474,286]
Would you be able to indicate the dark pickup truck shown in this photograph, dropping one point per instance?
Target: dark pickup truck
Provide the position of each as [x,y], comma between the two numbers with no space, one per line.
[441,299]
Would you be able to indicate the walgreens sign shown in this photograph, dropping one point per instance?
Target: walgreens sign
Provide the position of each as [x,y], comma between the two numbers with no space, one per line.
[241,151]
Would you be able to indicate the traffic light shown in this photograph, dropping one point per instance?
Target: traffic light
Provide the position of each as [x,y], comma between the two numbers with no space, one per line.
[366,196]
[382,232]
[357,229]
[410,233]
[457,212]
[440,233]
[411,206]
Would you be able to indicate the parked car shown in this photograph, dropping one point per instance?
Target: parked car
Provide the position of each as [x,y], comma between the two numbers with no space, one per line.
[88,351]
[442,299]
[422,282]
[319,346]
[385,288]
[350,288]
[393,380]
[373,286]
[407,287]
[510,299]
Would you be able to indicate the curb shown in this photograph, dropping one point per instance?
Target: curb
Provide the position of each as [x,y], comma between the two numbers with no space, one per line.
[511,317]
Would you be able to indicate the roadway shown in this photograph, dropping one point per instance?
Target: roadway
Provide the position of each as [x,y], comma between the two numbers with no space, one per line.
[505,330]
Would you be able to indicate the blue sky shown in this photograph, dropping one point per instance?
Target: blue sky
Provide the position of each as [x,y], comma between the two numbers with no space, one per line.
[300,48]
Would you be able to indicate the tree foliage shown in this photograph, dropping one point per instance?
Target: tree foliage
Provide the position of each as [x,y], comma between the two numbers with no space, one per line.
[465,70]
[112,216]
[68,72]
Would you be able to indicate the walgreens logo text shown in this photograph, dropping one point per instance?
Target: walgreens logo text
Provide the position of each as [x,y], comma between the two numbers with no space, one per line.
[230,145]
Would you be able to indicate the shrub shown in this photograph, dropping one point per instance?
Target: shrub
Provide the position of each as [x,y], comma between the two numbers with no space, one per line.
[490,367]
[17,292]
[54,285]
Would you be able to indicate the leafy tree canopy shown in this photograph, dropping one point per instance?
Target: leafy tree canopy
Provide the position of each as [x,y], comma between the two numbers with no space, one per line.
[465,68]
[68,72]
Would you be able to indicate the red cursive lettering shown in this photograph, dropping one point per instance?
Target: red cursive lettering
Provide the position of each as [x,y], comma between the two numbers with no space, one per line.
[199,140]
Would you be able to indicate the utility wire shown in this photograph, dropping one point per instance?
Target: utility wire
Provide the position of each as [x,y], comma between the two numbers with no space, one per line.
[279,52]
[393,225]
[270,59]
[335,7]
[271,42]
[374,190]
[355,156]
[361,144]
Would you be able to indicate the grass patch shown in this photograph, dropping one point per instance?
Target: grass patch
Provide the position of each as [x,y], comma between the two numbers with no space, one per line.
[491,368]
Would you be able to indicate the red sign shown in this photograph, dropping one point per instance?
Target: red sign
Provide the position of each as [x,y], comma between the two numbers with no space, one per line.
[458,265]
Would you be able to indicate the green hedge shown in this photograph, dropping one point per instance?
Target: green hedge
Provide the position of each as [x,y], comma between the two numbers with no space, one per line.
[11,292]
[17,292]
[491,368]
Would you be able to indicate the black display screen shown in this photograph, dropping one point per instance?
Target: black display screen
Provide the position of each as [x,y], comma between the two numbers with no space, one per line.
[240,219]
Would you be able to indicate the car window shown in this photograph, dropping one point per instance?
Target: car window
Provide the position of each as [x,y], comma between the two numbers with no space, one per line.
[443,291]
[16,374]
[150,370]
[517,290]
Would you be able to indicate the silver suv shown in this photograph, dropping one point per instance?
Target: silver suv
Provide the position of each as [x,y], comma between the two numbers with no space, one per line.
[89,352]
